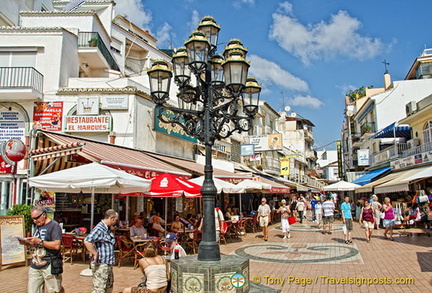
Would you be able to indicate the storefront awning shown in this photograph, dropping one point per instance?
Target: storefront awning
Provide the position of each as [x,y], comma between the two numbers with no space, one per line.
[368,177]
[394,130]
[130,160]
[426,173]
[370,186]
[399,183]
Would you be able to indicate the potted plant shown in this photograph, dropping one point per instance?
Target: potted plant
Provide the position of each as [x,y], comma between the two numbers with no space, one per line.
[23,209]
[93,42]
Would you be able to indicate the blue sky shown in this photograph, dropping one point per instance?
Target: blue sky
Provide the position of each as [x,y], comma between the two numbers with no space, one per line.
[307,54]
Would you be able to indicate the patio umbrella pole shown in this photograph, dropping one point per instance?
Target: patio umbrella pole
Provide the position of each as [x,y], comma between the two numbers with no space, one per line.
[92,208]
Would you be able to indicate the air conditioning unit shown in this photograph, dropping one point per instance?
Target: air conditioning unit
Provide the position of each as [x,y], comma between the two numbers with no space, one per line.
[411,107]
[412,143]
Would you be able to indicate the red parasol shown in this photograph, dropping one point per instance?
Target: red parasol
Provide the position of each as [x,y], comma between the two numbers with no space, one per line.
[168,185]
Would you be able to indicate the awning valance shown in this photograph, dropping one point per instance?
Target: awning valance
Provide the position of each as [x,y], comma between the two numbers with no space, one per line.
[370,186]
[394,130]
[369,176]
[399,183]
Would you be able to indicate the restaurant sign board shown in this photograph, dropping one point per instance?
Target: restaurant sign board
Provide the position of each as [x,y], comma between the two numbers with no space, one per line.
[88,123]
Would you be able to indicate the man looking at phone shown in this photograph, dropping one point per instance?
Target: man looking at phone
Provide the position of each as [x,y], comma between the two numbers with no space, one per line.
[46,266]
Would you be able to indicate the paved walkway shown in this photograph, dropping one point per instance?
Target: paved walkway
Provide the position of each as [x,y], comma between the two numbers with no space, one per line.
[308,262]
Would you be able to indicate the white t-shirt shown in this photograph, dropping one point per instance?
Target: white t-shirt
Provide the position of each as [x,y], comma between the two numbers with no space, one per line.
[300,206]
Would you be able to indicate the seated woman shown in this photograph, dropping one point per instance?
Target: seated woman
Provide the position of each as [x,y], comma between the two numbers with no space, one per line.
[228,214]
[155,268]
[177,226]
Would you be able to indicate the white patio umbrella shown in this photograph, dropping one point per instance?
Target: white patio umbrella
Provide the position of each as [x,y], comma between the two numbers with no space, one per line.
[252,184]
[90,178]
[341,186]
[221,185]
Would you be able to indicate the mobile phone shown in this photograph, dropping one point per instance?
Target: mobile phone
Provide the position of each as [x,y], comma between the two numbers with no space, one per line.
[22,238]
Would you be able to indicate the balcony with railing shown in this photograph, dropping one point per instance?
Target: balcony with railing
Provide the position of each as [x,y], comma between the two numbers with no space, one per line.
[426,147]
[389,154]
[93,51]
[20,83]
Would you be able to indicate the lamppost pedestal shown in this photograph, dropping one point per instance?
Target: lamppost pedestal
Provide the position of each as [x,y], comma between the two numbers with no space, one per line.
[230,274]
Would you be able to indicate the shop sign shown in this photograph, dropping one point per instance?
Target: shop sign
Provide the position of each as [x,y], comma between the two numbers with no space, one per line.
[292,155]
[268,142]
[170,129]
[284,166]
[14,150]
[88,106]
[6,167]
[363,157]
[48,115]
[255,158]
[403,163]
[88,124]
[12,125]
[247,150]
[232,180]
[222,147]
[115,102]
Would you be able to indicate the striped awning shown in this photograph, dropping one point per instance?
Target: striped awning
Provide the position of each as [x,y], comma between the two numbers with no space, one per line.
[369,176]
[60,151]
[394,130]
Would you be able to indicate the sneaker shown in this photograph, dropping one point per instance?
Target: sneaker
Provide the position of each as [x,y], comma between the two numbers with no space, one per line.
[289,236]
[350,241]
[346,241]
[284,237]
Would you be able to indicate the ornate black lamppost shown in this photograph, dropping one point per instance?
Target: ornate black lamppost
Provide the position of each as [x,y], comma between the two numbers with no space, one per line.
[218,101]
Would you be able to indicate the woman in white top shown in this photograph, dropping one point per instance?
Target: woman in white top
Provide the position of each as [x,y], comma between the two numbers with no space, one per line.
[155,269]
[376,206]
[285,211]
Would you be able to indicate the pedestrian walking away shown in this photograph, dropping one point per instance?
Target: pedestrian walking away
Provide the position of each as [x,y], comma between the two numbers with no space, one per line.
[100,243]
[328,212]
[300,207]
[347,219]
[264,217]
[46,268]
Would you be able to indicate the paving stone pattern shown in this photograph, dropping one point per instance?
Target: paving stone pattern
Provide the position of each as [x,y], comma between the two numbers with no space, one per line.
[308,262]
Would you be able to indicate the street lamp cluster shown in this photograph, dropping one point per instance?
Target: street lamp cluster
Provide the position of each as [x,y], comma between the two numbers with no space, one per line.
[213,103]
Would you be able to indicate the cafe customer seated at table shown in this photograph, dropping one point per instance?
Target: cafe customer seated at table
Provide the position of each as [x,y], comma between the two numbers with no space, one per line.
[156,226]
[138,230]
[177,226]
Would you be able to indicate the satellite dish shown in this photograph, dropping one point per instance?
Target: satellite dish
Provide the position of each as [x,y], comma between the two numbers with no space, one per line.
[293,114]
[287,108]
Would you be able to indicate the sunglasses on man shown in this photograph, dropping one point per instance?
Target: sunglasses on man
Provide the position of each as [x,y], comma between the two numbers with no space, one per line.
[37,218]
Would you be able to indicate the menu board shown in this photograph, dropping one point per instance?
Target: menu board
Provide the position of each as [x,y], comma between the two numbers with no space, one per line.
[12,251]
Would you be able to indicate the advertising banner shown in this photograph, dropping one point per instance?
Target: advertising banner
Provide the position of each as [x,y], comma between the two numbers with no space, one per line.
[267,142]
[48,115]
[284,166]
[247,150]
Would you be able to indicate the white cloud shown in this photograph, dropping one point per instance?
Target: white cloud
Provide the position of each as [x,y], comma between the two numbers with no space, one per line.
[268,72]
[285,8]
[238,4]
[337,37]
[305,101]
[165,36]
[195,20]
[134,11]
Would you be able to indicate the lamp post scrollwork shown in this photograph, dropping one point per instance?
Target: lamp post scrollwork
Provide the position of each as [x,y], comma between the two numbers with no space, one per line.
[213,103]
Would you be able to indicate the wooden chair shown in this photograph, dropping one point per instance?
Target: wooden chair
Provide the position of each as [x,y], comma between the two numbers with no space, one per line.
[70,247]
[126,249]
[223,232]
[191,241]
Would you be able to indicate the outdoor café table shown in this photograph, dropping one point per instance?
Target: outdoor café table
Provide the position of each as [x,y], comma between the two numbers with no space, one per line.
[138,244]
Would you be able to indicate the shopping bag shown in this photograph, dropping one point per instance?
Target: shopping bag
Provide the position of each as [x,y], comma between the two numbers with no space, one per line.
[382,215]
[344,229]
[291,220]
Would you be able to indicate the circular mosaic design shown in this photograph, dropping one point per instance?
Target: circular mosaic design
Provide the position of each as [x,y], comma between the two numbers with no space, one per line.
[299,252]
[309,228]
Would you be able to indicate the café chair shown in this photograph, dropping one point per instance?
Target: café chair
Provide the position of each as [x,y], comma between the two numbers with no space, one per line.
[70,247]
[126,249]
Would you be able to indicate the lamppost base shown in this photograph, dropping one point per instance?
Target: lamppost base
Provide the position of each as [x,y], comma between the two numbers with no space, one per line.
[209,251]
[230,274]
